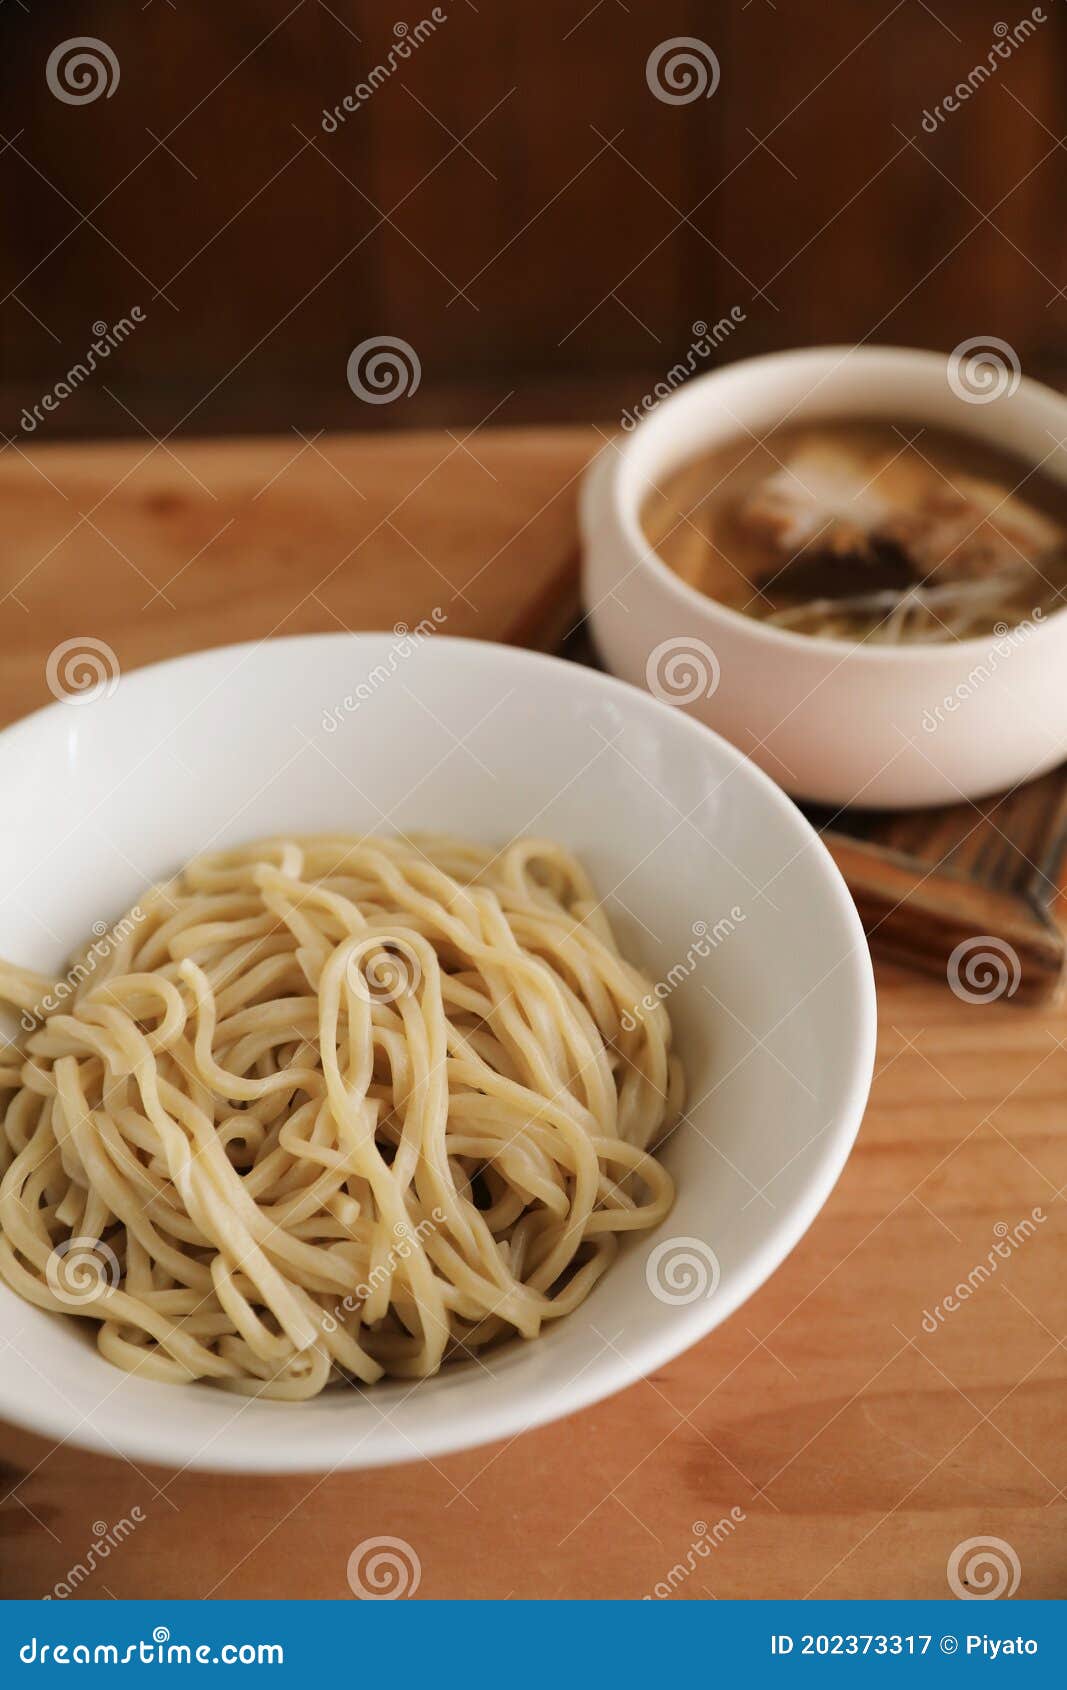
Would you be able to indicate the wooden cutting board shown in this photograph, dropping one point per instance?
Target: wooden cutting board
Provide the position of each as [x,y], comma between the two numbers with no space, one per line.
[944,889]
[861,1448]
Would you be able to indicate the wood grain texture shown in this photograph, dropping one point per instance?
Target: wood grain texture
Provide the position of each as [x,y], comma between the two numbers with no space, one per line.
[513,201]
[158,551]
[922,911]
[860,1447]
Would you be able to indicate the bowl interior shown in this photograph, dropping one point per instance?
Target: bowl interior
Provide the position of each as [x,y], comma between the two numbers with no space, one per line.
[716,883]
[747,400]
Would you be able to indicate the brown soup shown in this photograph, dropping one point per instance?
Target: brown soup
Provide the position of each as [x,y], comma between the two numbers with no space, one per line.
[866,530]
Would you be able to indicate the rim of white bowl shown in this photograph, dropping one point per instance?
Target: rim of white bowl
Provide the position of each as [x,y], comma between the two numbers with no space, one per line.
[383,1446]
[625,510]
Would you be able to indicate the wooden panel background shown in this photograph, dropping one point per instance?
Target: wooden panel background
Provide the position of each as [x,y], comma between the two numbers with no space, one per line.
[512,201]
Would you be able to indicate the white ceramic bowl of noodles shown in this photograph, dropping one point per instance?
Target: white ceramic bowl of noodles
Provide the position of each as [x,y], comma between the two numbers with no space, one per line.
[716,884]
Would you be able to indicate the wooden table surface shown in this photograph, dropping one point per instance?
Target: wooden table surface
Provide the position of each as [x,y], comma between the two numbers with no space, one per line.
[861,1438]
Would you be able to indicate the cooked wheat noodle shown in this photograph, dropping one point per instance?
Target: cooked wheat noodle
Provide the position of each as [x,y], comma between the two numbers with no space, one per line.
[333,1108]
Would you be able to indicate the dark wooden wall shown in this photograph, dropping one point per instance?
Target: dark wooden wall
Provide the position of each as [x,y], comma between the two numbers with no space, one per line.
[513,201]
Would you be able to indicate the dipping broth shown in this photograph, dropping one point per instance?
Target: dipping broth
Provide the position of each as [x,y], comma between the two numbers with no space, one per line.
[866,530]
